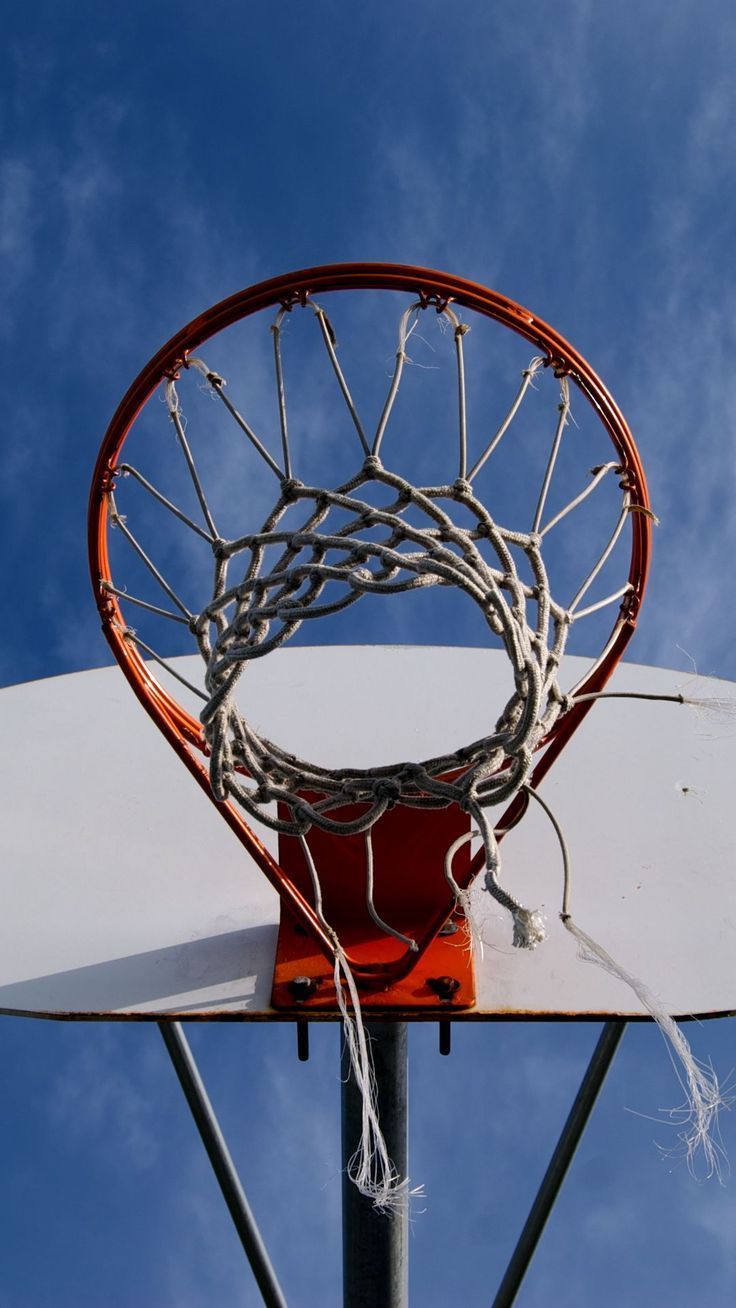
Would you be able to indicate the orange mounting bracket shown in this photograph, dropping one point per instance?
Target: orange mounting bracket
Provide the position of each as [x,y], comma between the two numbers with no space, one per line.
[439,976]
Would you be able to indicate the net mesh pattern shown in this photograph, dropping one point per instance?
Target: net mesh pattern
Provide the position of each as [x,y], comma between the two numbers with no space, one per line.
[319,571]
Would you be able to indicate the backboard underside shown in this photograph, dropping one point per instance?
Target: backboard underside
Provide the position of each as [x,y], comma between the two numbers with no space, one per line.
[124,895]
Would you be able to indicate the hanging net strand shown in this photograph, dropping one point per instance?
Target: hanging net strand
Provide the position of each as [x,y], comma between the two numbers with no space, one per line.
[529,926]
[697,1119]
[370,1167]
[526,381]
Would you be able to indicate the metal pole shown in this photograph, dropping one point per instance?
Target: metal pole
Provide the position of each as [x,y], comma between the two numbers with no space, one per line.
[374,1245]
[222,1164]
[562,1157]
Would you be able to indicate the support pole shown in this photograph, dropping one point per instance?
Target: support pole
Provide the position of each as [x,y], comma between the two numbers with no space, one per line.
[222,1164]
[568,1142]
[374,1245]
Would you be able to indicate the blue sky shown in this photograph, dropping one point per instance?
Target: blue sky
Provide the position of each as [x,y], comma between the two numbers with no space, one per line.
[155,158]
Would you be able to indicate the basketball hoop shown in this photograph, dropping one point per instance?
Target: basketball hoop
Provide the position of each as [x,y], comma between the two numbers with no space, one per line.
[408,536]
[374,863]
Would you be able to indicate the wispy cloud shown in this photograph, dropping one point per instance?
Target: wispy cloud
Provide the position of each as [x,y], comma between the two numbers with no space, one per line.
[95,1097]
[18,219]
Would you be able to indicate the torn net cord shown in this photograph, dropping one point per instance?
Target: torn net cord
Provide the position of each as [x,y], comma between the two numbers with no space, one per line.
[697,1119]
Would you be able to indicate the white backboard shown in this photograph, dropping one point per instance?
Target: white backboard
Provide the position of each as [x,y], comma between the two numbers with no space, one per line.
[123,893]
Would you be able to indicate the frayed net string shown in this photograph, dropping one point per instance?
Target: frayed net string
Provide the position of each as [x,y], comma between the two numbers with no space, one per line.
[474,936]
[713,706]
[370,1167]
[529,925]
[698,1116]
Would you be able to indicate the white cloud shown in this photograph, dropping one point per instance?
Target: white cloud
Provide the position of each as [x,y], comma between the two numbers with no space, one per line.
[712,1212]
[94,1097]
[16,218]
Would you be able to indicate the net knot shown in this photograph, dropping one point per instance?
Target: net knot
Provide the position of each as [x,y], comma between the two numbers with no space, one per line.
[300,816]
[388,789]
